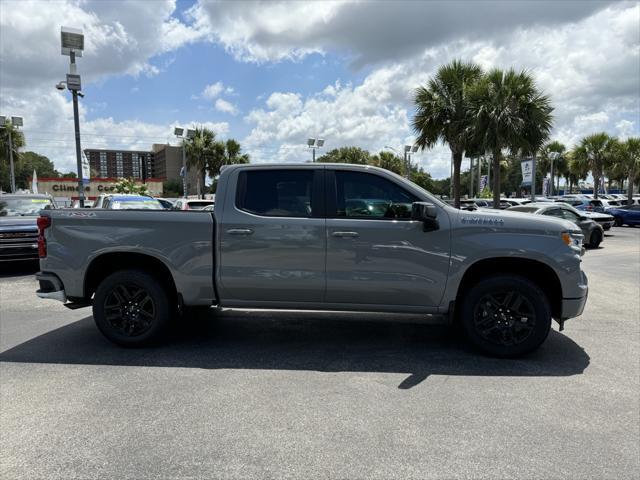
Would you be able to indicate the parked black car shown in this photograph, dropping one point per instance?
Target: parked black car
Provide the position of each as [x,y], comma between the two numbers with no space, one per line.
[18,225]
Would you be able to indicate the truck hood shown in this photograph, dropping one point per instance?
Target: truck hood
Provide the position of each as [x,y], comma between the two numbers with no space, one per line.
[19,223]
[520,221]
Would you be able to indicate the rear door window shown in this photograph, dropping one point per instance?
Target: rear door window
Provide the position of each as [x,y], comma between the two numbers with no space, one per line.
[276,193]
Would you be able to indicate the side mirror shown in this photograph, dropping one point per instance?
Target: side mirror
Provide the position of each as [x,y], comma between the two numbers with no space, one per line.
[426,213]
[582,218]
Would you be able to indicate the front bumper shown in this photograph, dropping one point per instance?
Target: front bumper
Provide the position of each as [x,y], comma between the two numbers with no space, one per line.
[573,307]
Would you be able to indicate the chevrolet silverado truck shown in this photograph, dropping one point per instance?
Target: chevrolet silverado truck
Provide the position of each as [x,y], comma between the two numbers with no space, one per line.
[333,237]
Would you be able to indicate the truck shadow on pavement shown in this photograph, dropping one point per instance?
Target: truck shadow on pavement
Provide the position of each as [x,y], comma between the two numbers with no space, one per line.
[294,341]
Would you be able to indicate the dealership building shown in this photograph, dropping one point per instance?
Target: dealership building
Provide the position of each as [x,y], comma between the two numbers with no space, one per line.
[152,167]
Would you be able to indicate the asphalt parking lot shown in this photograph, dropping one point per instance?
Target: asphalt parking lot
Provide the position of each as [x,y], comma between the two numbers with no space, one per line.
[290,395]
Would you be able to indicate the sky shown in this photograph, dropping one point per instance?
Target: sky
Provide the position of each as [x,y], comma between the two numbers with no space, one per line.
[272,74]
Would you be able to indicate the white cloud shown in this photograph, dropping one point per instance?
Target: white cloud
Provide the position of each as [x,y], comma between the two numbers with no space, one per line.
[625,128]
[263,31]
[226,107]
[591,70]
[212,91]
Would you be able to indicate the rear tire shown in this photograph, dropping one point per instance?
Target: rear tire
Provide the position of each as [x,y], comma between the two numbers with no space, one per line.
[505,316]
[131,308]
[596,239]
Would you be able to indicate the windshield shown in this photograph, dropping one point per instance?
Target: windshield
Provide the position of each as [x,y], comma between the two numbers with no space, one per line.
[136,204]
[523,208]
[199,205]
[23,207]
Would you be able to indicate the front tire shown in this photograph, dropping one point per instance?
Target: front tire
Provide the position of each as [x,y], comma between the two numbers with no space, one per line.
[596,239]
[131,308]
[505,316]
[618,222]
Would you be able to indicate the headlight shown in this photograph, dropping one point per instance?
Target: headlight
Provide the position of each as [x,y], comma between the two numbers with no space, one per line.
[573,239]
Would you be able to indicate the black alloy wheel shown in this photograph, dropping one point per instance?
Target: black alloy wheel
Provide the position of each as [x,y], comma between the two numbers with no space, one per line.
[132,308]
[504,315]
[129,309]
[504,318]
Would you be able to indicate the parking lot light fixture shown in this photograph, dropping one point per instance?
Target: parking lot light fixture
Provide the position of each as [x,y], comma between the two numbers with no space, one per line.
[314,144]
[180,133]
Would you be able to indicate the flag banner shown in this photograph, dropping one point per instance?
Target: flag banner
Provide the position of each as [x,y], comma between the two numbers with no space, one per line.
[483,182]
[545,186]
[527,167]
[86,171]
[34,182]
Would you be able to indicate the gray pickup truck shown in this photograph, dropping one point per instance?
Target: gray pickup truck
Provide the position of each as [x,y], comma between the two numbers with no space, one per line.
[321,237]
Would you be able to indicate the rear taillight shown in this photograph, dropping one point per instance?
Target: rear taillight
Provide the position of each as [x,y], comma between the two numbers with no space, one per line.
[589,208]
[43,223]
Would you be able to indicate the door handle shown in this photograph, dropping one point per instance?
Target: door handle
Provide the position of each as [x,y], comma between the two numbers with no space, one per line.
[346,234]
[239,231]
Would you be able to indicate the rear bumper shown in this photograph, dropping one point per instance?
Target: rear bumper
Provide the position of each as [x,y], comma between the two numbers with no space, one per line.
[50,287]
[573,307]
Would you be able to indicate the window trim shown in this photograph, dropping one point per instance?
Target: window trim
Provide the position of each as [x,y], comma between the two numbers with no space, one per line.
[317,196]
[331,190]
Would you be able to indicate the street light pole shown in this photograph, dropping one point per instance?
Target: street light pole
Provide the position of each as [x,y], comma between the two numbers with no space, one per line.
[11,167]
[76,126]
[72,43]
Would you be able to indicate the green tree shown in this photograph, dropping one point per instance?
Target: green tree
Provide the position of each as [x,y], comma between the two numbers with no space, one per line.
[128,185]
[545,159]
[629,163]
[593,153]
[421,178]
[17,142]
[199,151]
[442,113]
[225,153]
[576,171]
[30,161]
[509,112]
[172,188]
[347,155]
[388,161]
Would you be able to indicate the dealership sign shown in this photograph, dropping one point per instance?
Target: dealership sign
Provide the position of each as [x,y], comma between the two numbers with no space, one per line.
[527,169]
[74,188]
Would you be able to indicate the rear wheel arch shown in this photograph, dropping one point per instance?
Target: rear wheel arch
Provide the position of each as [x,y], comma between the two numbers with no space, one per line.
[533,270]
[108,263]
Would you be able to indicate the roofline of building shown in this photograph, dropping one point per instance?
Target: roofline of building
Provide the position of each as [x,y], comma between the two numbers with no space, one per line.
[98,179]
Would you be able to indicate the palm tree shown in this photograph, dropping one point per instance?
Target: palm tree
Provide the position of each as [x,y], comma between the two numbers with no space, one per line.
[593,153]
[552,154]
[17,141]
[233,153]
[576,171]
[198,151]
[442,115]
[629,162]
[509,112]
